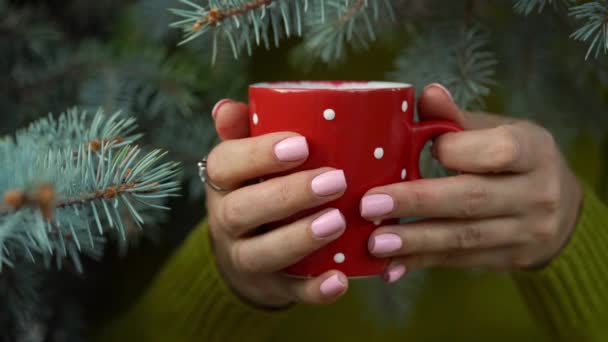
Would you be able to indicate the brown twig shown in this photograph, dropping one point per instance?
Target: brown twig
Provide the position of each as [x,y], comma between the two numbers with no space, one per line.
[350,13]
[96,144]
[44,197]
[107,193]
[215,16]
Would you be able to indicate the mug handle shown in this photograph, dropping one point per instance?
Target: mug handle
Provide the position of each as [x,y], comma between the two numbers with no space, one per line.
[423,132]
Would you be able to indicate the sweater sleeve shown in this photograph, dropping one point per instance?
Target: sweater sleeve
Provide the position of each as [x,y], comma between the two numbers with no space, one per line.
[569,298]
[189,301]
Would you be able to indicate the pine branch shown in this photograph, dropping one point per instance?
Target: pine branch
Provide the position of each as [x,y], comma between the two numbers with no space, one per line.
[61,199]
[242,23]
[353,22]
[595,30]
[215,16]
[327,24]
[457,58]
[526,7]
[75,128]
[193,141]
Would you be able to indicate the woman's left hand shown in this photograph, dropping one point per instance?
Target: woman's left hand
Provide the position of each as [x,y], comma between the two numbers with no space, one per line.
[514,204]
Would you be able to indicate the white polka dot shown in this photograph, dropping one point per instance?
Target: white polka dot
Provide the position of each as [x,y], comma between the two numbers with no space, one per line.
[329,114]
[378,153]
[403,173]
[256,119]
[404,106]
[339,258]
[377,222]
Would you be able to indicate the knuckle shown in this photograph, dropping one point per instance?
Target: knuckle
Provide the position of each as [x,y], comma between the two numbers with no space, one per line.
[442,147]
[545,232]
[507,148]
[285,192]
[548,141]
[255,149]
[418,199]
[468,237]
[521,260]
[231,213]
[420,242]
[548,200]
[215,165]
[242,261]
[475,197]
[297,244]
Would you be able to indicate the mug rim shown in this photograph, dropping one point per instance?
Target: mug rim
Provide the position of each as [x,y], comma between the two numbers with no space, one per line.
[330,85]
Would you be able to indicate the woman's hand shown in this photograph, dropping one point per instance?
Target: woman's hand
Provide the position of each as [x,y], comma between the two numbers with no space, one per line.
[251,261]
[514,204]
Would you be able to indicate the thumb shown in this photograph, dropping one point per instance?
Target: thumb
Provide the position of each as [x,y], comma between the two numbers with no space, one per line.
[436,103]
[231,119]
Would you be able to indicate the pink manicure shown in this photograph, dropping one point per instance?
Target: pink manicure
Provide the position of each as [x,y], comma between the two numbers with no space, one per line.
[385,243]
[443,88]
[291,149]
[329,183]
[217,106]
[376,205]
[394,273]
[333,285]
[328,224]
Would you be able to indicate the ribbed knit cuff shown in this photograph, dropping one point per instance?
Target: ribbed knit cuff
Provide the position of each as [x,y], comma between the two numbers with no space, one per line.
[189,301]
[570,296]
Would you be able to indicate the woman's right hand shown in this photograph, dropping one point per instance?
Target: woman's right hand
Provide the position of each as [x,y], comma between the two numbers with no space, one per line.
[251,262]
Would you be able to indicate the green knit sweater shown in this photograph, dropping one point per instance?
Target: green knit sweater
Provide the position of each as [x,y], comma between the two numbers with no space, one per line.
[189,301]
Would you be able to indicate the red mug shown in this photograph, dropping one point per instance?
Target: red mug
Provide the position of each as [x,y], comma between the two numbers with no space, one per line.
[366,129]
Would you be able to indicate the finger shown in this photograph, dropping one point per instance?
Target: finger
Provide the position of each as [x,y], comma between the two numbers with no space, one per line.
[234,162]
[324,289]
[434,236]
[507,148]
[436,103]
[394,272]
[281,247]
[279,198]
[461,196]
[231,119]
[491,259]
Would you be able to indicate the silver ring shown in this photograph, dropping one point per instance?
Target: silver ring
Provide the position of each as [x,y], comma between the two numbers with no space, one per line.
[202,172]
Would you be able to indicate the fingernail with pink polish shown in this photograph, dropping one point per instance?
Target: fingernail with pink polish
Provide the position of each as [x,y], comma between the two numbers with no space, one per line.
[217,106]
[291,149]
[444,89]
[333,285]
[328,224]
[376,205]
[394,273]
[329,183]
[385,243]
